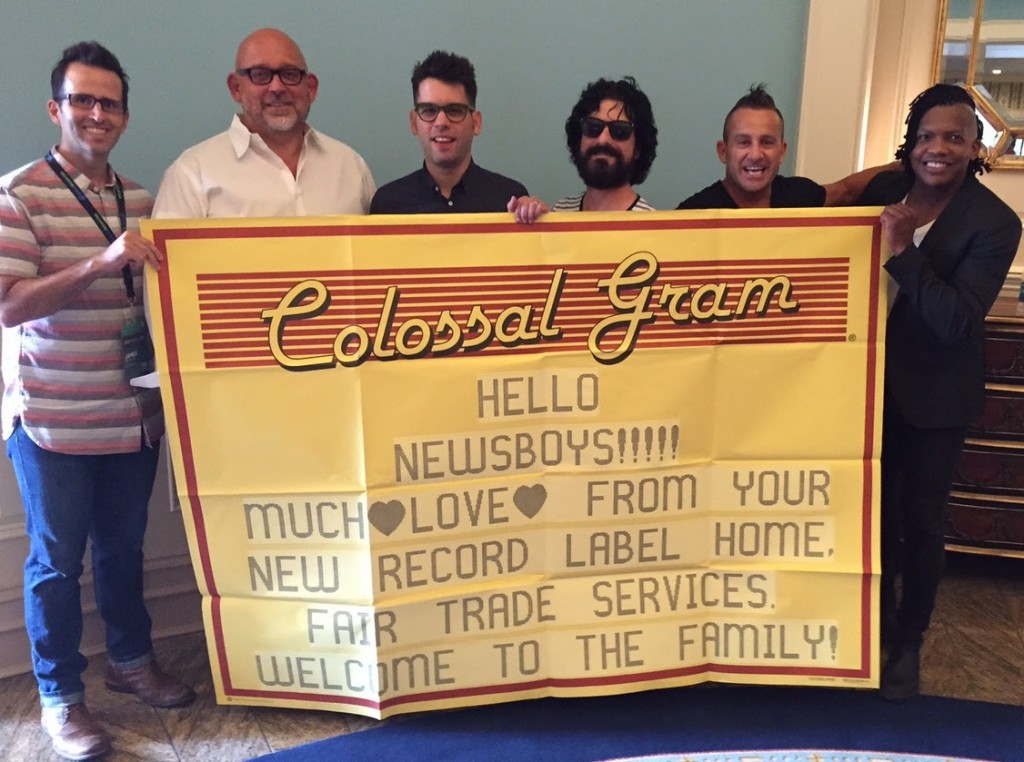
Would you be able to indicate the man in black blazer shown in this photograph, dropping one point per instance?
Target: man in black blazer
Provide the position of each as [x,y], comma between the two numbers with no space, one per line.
[952,243]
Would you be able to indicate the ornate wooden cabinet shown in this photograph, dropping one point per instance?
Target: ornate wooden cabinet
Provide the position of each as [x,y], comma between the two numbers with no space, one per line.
[986,506]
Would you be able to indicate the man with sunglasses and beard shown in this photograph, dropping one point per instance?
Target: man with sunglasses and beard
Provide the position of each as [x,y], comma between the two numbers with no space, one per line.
[269,162]
[612,141]
[444,119]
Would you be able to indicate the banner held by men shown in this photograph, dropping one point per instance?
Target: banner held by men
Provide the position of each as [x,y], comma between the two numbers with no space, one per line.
[446,462]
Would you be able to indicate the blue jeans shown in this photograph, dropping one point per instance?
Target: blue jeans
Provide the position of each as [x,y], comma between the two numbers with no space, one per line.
[69,498]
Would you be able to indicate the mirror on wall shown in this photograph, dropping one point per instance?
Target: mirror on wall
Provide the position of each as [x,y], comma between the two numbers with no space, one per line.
[980,46]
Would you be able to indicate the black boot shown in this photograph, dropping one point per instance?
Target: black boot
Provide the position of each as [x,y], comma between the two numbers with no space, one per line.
[901,675]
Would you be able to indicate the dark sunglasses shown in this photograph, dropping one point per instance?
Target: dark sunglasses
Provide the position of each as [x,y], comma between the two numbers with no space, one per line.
[619,129]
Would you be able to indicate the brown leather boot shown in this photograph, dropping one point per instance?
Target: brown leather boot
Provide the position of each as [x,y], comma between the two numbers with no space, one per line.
[74,733]
[151,684]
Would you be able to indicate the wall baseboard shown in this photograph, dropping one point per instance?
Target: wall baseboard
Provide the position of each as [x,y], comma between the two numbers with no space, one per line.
[172,599]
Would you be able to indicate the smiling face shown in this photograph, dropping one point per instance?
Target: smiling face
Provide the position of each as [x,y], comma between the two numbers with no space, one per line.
[87,136]
[273,109]
[947,143]
[447,145]
[752,154]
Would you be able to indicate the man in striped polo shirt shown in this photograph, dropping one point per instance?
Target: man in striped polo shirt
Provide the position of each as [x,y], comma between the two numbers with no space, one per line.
[612,141]
[84,443]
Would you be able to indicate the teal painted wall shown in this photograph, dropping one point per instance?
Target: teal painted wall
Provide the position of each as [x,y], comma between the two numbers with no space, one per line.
[693,58]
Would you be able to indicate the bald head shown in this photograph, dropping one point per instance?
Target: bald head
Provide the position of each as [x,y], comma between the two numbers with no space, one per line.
[268,42]
[273,108]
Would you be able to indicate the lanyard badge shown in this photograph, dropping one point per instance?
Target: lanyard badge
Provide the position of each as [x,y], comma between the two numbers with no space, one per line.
[136,347]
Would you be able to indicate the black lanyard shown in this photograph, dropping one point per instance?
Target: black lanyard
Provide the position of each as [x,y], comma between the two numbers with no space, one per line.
[101,223]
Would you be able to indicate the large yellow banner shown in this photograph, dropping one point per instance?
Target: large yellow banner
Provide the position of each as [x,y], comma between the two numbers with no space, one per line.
[429,462]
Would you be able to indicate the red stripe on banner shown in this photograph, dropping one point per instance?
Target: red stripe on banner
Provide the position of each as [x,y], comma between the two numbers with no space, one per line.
[791,336]
[173,379]
[870,393]
[229,330]
[549,683]
[257,298]
[184,430]
[808,336]
[368,310]
[220,641]
[162,236]
[236,301]
[504,274]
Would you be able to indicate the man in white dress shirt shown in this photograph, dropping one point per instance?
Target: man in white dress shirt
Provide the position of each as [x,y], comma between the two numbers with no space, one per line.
[269,162]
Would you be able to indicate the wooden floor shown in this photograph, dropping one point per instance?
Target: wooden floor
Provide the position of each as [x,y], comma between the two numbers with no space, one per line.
[974,650]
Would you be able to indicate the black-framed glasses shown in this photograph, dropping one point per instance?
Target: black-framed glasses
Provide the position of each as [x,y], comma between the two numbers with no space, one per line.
[261,75]
[455,112]
[619,129]
[87,102]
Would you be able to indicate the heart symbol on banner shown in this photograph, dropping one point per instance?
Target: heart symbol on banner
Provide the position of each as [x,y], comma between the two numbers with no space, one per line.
[529,500]
[386,517]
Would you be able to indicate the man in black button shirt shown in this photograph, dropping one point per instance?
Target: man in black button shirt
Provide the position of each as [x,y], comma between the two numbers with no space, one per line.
[752,149]
[445,120]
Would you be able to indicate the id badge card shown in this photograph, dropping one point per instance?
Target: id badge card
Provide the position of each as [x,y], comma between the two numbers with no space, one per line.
[136,349]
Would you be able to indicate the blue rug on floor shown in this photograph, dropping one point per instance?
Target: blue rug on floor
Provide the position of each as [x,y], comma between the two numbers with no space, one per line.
[795,755]
[687,720]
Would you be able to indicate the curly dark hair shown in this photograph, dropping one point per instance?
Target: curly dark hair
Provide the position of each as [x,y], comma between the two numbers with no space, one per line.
[88,54]
[638,111]
[937,95]
[756,97]
[450,69]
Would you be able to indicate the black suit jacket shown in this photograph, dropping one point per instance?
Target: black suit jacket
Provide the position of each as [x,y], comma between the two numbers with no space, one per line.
[934,360]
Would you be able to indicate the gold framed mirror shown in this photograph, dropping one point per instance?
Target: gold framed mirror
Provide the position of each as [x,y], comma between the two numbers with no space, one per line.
[980,46]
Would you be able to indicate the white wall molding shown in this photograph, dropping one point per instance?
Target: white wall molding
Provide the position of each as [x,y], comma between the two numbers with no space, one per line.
[171,594]
[838,64]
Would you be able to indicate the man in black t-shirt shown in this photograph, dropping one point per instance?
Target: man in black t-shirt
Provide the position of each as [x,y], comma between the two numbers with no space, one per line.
[752,149]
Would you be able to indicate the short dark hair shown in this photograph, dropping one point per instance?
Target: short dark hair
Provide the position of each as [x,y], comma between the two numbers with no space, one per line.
[450,69]
[638,110]
[937,95]
[756,97]
[89,54]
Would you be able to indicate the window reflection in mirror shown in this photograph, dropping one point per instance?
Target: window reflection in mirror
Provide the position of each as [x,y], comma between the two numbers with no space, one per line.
[981,46]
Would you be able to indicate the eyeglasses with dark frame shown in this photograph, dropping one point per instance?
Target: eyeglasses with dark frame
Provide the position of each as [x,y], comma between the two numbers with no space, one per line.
[87,102]
[455,112]
[618,129]
[261,75]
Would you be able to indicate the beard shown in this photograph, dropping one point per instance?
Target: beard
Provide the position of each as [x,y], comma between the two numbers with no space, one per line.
[603,175]
[281,122]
